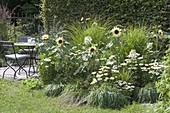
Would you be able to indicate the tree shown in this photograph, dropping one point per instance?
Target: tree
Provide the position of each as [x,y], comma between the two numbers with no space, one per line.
[26,6]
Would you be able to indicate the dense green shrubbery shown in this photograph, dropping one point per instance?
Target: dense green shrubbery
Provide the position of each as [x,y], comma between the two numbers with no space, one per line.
[163,85]
[128,59]
[150,12]
[33,83]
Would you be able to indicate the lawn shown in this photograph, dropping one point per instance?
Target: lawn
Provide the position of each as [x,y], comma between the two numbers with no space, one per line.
[17,98]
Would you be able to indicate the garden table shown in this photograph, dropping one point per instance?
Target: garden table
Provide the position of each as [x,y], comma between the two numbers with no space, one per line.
[29,49]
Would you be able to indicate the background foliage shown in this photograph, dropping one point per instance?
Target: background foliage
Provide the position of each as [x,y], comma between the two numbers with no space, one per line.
[151,12]
[24,6]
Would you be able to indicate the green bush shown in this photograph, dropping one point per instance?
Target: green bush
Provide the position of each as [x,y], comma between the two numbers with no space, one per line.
[163,85]
[33,83]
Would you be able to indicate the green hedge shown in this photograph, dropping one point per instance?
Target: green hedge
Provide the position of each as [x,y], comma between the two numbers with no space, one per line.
[151,12]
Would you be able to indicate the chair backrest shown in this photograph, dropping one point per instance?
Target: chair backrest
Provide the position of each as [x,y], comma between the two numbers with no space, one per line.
[7,48]
[24,38]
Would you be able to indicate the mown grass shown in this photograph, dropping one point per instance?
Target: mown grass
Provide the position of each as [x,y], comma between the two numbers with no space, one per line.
[17,98]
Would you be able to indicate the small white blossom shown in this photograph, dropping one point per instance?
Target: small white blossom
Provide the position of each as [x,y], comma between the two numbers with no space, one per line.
[100,72]
[106,79]
[136,64]
[123,64]
[133,68]
[99,75]
[109,63]
[109,45]
[132,86]
[128,61]
[111,57]
[47,60]
[46,66]
[87,40]
[105,70]
[140,64]
[94,81]
[112,78]
[103,59]
[99,79]
[149,45]
[93,73]
[105,74]
[156,67]
[144,68]
[140,58]
[146,65]
[133,54]
[115,71]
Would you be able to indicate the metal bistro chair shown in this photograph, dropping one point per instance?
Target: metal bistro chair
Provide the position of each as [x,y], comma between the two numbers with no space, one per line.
[31,51]
[9,54]
[24,39]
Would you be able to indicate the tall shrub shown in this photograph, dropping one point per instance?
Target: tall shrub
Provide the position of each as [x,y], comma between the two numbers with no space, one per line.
[129,11]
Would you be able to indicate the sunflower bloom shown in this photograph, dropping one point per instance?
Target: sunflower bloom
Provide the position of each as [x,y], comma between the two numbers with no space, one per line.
[160,32]
[92,49]
[116,32]
[60,41]
[45,37]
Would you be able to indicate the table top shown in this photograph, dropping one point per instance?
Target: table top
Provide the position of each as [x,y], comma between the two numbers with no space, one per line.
[25,44]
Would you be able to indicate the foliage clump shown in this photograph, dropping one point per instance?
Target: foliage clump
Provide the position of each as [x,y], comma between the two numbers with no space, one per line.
[107,97]
[33,83]
[54,90]
[126,59]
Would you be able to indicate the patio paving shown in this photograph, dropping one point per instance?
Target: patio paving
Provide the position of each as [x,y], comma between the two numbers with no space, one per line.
[10,73]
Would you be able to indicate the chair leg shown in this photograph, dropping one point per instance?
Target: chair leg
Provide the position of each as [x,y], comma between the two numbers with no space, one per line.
[9,66]
[33,65]
[21,67]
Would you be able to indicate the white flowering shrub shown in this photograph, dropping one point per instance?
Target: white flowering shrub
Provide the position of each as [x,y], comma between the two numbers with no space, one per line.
[143,70]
